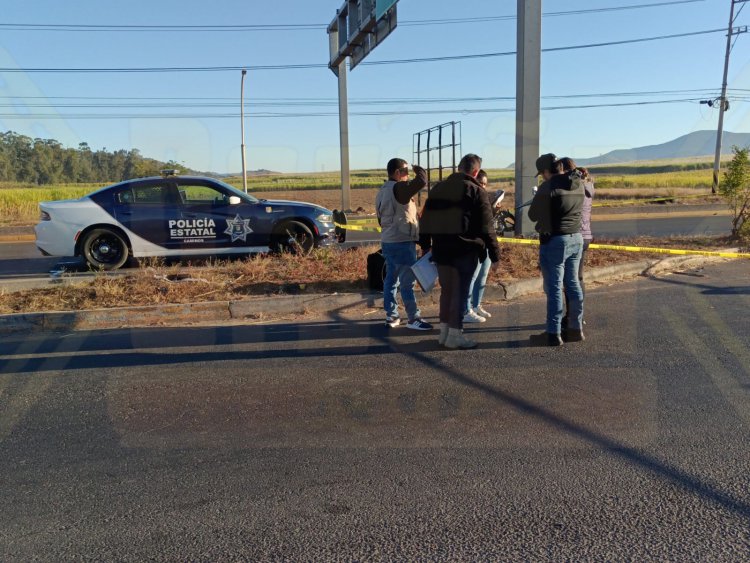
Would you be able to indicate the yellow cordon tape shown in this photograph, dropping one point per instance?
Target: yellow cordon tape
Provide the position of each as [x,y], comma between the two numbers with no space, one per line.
[354,227]
[623,248]
[647,249]
[675,251]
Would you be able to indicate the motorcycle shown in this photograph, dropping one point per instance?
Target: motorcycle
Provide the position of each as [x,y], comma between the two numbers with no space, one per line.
[504,219]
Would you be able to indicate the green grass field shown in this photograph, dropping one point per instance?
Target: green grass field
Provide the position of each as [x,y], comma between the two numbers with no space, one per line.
[19,202]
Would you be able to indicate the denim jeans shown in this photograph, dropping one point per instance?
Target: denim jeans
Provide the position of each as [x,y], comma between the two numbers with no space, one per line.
[478,283]
[399,258]
[559,260]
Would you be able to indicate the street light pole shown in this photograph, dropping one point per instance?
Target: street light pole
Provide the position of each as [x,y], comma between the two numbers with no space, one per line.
[242,128]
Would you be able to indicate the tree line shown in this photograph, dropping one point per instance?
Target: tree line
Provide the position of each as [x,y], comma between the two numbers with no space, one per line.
[46,161]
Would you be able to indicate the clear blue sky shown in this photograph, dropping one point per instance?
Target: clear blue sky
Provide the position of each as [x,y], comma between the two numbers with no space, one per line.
[311,143]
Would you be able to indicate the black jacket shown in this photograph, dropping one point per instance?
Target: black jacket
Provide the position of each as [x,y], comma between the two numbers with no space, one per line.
[557,206]
[457,220]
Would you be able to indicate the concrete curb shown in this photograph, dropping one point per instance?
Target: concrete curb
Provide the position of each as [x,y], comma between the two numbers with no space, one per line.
[17,238]
[260,307]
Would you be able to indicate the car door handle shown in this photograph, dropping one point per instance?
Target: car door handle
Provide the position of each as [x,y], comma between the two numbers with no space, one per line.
[125,212]
[191,215]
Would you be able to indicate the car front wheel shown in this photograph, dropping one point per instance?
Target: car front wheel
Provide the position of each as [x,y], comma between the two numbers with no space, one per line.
[293,237]
[104,249]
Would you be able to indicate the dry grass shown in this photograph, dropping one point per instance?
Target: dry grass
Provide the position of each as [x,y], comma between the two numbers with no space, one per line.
[326,270]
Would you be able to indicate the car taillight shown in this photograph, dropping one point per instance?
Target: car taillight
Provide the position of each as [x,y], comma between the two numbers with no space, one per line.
[44,216]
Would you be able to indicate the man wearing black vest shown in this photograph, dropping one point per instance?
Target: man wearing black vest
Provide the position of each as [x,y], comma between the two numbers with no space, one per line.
[557,208]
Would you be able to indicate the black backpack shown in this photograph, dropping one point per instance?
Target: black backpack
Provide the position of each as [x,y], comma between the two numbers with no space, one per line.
[376,270]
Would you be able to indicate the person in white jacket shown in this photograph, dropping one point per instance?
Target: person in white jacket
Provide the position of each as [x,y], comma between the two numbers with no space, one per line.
[397,216]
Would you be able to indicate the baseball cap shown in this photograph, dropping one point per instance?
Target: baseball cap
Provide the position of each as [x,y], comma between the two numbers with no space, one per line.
[545,162]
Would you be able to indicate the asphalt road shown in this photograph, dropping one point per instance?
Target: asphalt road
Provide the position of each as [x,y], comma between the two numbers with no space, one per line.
[334,439]
[23,259]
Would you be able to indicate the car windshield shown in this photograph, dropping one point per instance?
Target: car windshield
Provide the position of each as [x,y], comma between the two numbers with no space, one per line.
[238,193]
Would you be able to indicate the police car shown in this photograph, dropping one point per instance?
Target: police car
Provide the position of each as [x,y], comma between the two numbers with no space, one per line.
[176,216]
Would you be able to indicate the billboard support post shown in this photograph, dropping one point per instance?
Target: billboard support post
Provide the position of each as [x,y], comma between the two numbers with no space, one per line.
[346,203]
[528,79]
[359,27]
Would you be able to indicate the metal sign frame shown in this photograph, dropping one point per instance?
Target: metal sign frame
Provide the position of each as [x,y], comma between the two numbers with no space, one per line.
[359,27]
[448,138]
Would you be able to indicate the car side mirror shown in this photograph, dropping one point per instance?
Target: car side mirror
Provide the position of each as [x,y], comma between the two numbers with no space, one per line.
[234,200]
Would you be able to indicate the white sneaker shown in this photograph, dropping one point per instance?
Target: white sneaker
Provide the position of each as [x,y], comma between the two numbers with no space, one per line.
[472,317]
[480,311]
[457,340]
[443,333]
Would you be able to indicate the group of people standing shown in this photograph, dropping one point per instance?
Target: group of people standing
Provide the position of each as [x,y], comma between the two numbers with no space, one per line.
[456,224]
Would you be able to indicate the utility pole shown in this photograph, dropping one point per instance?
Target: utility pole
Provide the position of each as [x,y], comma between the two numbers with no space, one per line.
[723,102]
[242,128]
[528,90]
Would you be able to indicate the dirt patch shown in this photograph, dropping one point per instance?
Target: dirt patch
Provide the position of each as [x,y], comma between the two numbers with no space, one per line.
[324,271]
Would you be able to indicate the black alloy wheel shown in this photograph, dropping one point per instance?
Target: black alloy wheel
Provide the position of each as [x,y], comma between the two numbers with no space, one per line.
[105,249]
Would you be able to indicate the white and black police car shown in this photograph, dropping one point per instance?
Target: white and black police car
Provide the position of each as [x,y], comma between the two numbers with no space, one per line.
[176,215]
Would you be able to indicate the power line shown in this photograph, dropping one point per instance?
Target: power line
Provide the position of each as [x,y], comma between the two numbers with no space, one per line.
[276,115]
[312,102]
[306,27]
[707,91]
[368,63]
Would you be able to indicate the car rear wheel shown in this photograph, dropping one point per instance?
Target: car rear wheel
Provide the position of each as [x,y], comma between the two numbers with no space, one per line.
[293,237]
[104,249]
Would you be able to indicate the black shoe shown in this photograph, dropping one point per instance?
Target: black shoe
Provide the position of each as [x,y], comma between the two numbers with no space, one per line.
[573,335]
[545,339]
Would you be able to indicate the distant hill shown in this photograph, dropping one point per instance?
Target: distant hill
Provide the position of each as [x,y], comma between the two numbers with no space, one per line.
[698,143]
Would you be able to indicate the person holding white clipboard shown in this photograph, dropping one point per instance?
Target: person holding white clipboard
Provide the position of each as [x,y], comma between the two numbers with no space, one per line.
[457,225]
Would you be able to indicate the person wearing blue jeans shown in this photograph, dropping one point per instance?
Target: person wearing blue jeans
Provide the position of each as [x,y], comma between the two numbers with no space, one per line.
[397,216]
[473,311]
[399,258]
[557,208]
[559,260]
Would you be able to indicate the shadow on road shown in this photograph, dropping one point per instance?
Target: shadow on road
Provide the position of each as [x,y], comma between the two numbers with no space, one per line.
[50,354]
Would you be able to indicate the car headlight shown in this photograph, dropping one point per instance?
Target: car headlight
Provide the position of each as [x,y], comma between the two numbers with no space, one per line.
[324,218]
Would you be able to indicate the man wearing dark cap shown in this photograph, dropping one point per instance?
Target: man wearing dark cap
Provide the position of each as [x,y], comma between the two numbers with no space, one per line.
[397,216]
[557,208]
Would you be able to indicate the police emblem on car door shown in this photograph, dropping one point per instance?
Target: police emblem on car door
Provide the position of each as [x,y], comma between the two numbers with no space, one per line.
[238,228]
